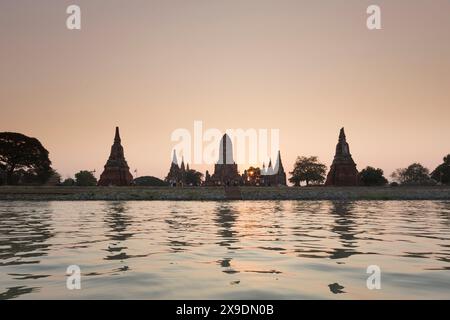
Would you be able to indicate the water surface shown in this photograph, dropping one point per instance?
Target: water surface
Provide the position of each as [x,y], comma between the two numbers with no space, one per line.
[225,250]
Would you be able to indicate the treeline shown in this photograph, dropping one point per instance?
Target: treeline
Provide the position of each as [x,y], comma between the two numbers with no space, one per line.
[86,178]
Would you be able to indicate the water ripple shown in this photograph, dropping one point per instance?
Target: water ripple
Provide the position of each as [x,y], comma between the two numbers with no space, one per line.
[252,249]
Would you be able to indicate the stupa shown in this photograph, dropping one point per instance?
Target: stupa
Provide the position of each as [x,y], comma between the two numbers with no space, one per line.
[343,170]
[225,170]
[116,172]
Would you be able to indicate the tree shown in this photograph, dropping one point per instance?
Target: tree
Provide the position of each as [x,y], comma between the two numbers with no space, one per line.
[27,155]
[149,181]
[193,177]
[2,177]
[373,177]
[85,178]
[54,179]
[442,172]
[253,176]
[308,169]
[69,182]
[415,174]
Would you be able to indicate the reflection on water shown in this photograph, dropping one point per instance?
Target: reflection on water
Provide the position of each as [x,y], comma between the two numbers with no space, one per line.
[117,220]
[265,249]
[345,227]
[24,236]
[225,218]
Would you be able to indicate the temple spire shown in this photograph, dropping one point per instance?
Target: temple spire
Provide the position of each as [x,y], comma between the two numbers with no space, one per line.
[116,171]
[117,136]
[182,164]
[174,157]
[176,173]
[274,175]
[343,170]
[226,150]
[270,170]
[225,170]
[342,137]
[279,164]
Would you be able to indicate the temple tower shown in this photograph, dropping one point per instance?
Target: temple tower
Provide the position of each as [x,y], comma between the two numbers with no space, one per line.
[225,170]
[343,170]
[274,176]
[279,169]
[177,174]
[116,172]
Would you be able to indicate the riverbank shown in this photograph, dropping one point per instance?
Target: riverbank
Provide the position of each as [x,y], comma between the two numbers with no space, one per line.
[219,193]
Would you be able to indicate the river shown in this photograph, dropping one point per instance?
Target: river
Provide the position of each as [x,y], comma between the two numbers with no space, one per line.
[225,250]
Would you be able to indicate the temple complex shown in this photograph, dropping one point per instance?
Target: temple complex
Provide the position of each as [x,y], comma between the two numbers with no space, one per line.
[273,176]
[225,170]
[177,174]
[343,170]
[116,172]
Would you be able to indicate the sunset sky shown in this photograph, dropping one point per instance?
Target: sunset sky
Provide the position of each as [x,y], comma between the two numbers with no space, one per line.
[307,68]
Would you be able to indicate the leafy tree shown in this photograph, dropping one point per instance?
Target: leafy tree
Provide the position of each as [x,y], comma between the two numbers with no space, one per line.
[2,177]
[68,182]
[55,178]
[85,178]
[194,177]
[253,176]
[415,174]
[442,172]
[25,156]
[308,169]
[149,181]
[373,177]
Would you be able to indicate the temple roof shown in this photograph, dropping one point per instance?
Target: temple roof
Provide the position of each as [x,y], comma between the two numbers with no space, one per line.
[174,158]
[278,168]
[342,135]
[182,168]
[279,165]
[117,136]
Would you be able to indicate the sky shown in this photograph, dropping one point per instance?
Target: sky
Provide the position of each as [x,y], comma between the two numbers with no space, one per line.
[306,68]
